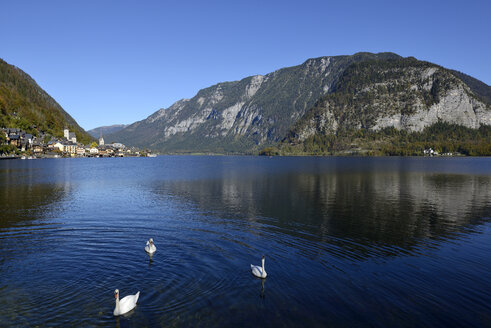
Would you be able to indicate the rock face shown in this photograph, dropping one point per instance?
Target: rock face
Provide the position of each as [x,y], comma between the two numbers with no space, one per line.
[402,93]
[456,106]
[244,115]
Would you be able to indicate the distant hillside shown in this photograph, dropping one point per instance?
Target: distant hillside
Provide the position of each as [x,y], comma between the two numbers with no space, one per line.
[24,105]
[241,116]
[106,130]
[481,89]
[395,107]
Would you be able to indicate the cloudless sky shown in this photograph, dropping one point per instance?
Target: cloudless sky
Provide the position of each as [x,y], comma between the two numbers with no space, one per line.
[112,62]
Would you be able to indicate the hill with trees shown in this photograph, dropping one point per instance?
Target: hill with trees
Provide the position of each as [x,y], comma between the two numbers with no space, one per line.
[24,105]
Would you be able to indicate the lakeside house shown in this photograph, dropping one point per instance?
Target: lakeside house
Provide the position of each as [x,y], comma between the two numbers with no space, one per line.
[80,151]
[37,148]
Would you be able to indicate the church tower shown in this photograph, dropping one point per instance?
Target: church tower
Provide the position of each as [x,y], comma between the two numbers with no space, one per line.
[101,140]
[66,133]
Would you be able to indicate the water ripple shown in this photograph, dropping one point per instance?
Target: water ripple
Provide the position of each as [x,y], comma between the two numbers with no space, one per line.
[344,245]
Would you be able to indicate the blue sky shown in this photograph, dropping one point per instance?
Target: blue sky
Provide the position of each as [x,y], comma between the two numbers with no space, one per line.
[110,62]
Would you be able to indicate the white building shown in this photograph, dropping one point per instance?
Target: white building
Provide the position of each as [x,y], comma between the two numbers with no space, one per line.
[72,137]
[58,145]
[80,151]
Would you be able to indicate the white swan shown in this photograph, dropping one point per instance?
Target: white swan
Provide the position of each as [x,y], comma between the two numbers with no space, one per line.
[126,304]
[150,248]
[259,271]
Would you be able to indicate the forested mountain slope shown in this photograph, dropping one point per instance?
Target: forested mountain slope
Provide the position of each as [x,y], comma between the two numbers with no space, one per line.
[24,105]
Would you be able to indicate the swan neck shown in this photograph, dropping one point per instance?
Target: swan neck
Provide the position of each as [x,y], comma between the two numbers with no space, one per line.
[262,264]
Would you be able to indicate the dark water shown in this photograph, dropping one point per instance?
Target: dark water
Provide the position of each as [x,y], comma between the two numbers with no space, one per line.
[382,242]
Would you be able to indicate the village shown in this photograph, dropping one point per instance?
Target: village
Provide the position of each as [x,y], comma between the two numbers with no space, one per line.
[16,143]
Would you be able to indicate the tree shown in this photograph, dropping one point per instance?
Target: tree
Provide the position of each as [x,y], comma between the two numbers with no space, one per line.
[269,151]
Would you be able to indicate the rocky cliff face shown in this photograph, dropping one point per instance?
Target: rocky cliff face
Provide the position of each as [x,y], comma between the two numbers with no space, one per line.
[244,115]
[405,94]
[456,106]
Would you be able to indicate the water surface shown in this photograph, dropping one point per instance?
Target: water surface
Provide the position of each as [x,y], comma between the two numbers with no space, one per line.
[348,241]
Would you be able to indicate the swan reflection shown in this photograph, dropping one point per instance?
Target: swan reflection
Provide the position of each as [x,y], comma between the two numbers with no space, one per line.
[262,294]
[150,259]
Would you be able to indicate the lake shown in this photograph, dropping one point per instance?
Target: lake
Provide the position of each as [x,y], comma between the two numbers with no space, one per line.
[382,242]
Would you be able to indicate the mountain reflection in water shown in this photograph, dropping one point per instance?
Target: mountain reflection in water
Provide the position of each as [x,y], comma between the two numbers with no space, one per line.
[387,208]
[377,242]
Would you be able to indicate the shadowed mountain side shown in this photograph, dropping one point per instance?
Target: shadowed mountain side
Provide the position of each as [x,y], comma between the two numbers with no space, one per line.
[480,88]
[106,130]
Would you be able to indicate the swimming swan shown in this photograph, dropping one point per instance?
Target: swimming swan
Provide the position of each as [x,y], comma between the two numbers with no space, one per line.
[150,248]
[259,271]
[126,304]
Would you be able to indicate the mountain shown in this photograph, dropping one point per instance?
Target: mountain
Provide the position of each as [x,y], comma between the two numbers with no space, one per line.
[482,90]
[106,130]
[241,116]
[23,104]
[326,96]
[396,104]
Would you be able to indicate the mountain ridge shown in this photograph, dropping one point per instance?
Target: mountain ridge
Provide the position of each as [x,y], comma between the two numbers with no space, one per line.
[240,116]
[258,111]
[106,130]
